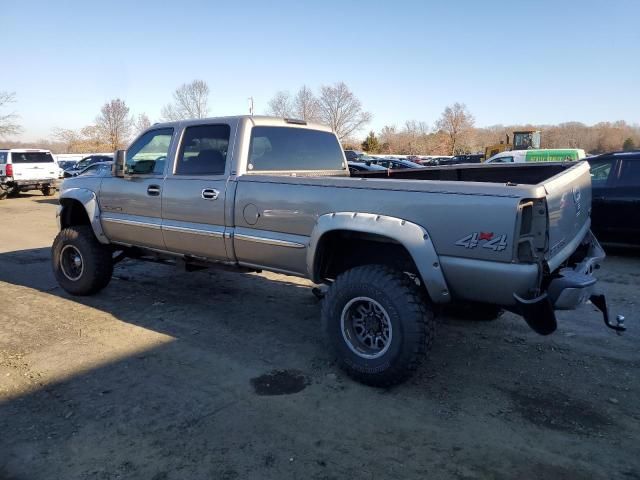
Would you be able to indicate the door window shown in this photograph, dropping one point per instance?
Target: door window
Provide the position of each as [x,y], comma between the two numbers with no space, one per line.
[148,155]
[203,150]
[630,173]
[600,172]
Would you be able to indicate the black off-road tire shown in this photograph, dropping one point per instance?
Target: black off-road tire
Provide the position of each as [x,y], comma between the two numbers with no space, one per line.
[13,192]
[48,190]
[3,193]
[97,261]
[408,310]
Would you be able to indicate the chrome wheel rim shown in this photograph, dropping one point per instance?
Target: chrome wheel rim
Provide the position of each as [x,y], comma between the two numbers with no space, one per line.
[366,327]
[71,262]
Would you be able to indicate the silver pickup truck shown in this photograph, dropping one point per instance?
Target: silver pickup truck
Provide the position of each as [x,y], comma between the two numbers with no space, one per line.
[259,193]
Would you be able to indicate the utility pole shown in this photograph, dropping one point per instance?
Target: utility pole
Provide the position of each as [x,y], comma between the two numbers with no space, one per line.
[251,106]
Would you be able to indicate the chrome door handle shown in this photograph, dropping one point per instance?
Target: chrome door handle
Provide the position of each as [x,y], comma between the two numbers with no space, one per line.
[153,190]
[210,194]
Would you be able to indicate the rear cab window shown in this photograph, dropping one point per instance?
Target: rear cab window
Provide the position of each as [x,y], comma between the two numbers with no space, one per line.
[274,149]
[203,150]
[31,157]
[3,158]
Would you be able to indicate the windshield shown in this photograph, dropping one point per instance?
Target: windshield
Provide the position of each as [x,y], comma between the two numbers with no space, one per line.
[31,157]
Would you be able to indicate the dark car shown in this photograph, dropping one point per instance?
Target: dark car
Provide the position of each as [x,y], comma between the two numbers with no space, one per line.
[87,161]
[100,169]
[395,163]
[353,155]
[355,167]
[468,158]
[615,182]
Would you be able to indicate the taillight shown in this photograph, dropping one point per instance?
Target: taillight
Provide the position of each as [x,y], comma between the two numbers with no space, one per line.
[9,170]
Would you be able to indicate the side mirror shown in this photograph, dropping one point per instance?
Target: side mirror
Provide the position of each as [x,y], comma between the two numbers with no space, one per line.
[119,162]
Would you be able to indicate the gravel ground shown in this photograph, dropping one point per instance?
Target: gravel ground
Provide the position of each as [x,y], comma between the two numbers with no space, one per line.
[170,375]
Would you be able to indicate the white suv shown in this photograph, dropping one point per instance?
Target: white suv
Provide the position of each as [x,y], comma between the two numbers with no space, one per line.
[27,169]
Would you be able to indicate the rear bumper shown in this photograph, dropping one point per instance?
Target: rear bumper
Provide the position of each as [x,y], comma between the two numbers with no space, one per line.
[36,183]
[569,288]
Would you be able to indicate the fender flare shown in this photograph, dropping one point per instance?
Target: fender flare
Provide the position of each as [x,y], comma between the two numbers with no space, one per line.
[89,201]
[411,236]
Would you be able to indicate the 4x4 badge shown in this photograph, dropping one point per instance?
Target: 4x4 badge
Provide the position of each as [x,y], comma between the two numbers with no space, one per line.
[497,243]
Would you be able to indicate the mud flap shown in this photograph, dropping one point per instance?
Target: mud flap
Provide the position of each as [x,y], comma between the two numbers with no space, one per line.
[538,313]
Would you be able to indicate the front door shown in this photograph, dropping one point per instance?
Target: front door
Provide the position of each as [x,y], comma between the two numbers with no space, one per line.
[193,200]
[624,201]
[131,207]
[602,179]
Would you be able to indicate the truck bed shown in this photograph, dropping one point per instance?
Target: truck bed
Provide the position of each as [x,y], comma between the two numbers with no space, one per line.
[525,173]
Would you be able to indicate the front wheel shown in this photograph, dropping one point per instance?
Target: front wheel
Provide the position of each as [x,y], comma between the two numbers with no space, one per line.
[48,190]
[378,324]
[81,264]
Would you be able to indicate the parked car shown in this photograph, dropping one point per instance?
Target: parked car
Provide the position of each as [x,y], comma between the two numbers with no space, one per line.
[99,169]
[468,158]
[434,160]
[66,164]
[89,160]
[353,155]
[615,181]
[541,155]
[395,163]
[363,167]
[27,169]
[390,251]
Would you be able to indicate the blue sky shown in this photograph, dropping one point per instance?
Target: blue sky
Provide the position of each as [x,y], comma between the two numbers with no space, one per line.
[510,62]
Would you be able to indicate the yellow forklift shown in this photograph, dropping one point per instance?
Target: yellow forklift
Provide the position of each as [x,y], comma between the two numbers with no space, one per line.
[522,140]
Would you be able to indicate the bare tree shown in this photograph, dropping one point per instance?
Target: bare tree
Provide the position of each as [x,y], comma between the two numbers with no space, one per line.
[341,110]
[455,121]
[190,100]
[141,123]
[114,123]
[8,125]
[280,105]
[305,105]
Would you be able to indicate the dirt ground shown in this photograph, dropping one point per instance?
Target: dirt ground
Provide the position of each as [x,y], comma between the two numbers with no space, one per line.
[159,377]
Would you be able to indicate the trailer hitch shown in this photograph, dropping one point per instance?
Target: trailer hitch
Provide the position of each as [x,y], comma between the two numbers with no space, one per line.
[600,302]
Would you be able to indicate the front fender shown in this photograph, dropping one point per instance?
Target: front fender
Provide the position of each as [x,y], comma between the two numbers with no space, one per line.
[413,237]
[89,201]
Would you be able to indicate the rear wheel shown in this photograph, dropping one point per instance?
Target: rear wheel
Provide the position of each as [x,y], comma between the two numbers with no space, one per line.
[13,192]
[48,190]
[81,264]
[3,192]
[378,323]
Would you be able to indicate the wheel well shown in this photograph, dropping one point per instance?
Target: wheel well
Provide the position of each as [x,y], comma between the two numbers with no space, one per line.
[73,213]
[341,250]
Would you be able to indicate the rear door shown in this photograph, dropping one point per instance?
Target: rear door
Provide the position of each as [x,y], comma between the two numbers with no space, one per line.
[33,165]
[131,207]
[195,191]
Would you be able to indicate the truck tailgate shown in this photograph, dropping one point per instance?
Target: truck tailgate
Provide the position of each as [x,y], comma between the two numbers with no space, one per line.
[569,208]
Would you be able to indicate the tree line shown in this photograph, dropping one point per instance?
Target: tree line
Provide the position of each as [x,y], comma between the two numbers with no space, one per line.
[114,126]
[333,105]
